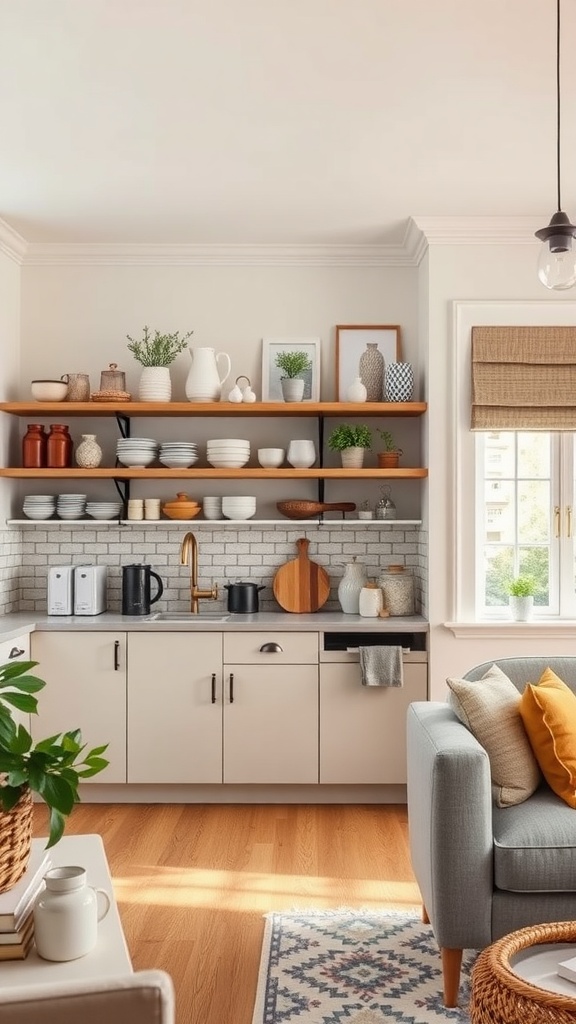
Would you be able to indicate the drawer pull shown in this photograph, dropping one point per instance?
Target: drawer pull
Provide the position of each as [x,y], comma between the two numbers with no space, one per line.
[213,687]
[16,652]
[271,649]
[231,687]
[116,655]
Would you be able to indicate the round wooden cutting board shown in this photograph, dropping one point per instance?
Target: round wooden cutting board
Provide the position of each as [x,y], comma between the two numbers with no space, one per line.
[301,585]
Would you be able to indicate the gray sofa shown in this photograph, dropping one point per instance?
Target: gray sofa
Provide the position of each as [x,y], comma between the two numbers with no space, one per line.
[483,871]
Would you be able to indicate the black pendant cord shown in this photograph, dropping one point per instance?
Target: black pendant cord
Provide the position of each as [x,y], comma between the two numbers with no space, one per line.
[558,103]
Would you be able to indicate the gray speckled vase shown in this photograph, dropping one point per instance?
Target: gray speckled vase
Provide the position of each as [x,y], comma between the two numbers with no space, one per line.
[371,371]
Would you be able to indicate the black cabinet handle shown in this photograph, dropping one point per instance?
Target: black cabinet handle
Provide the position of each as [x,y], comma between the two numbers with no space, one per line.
[231,687]
[16,652]
[116,655]
[213,687]
[271,649]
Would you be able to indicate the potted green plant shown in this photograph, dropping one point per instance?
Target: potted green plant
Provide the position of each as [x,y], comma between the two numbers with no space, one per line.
[351,441]
[293,364]
[389,457]
[521,591]
[52,768]
[156,355]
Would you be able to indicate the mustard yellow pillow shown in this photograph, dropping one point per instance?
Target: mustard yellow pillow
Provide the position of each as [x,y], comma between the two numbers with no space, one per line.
[548,711]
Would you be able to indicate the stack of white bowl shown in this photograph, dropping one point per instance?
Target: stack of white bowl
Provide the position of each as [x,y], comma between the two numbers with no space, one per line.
[178,454]
[71,506]
[238,507]
[212,507]
[227,452]
[104,509]
[136,451]
[39,506]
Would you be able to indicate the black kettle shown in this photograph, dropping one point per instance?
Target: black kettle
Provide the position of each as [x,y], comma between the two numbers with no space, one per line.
[243,597]
[136,587]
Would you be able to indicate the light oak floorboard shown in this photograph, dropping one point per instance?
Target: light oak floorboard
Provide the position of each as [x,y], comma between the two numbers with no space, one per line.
[193,882]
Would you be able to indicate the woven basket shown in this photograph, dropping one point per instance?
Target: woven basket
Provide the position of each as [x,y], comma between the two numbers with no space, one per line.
[498,996]
[15,841]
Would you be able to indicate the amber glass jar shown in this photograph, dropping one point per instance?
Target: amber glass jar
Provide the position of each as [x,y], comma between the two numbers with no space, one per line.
[59,447]
[34,447]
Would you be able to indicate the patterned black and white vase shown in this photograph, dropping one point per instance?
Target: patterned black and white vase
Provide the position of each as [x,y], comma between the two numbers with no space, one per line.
[399,382]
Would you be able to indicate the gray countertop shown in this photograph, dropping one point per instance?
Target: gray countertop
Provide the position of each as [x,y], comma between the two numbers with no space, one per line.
[26,622]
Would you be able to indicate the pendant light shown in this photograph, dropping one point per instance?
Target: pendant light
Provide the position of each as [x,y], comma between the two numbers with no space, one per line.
[557,259]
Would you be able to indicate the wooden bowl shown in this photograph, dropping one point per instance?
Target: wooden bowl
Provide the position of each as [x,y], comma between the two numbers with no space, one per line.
[182,512]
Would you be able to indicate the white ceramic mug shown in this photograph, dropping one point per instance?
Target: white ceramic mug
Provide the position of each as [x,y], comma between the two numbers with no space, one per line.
[301,454]
[66,914]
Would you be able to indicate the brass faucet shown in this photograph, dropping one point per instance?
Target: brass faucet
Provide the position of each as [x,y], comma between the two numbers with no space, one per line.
[189,556]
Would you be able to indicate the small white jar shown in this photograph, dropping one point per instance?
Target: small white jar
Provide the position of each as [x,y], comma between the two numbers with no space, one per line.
[371,601]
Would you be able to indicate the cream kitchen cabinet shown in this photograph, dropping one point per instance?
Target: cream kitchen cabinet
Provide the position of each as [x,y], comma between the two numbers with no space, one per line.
[175,707]
[271,708]
[363,728]
[85,674]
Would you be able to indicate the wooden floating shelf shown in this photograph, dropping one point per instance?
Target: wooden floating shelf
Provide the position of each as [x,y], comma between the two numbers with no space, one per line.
[208,473]
[238,410]
[296,523]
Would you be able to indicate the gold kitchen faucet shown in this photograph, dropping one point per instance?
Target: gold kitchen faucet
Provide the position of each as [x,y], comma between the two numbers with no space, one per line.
[189,556]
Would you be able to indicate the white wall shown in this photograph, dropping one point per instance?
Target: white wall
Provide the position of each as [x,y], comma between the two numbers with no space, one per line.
[9,361]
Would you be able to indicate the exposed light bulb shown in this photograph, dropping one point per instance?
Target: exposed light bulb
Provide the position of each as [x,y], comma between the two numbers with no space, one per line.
[557,264]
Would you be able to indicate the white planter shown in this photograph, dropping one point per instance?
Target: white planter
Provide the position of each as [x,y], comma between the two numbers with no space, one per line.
[155,384]
[521,608]
[292,389]
[352,458]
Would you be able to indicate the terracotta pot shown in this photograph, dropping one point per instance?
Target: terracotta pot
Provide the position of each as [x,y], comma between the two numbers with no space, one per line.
[388,460]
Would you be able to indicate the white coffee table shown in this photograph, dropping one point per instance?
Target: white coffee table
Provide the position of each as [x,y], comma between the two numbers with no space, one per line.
[110,958]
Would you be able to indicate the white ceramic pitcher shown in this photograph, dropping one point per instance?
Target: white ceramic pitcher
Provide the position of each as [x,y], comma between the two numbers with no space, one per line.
[204,382]
[66,914]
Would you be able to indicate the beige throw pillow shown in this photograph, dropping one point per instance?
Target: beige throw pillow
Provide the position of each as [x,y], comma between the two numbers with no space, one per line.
[490,708]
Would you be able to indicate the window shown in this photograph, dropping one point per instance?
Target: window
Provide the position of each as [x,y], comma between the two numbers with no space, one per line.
[525,496]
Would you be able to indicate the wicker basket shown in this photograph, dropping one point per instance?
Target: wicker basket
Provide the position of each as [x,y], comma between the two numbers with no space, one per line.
[499,996]
[15,841]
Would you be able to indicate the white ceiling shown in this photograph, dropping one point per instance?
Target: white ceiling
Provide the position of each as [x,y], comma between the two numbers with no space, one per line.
[278,121]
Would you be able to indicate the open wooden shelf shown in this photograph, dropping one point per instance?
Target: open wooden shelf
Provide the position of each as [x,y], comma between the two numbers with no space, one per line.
[208,473]
[238,410]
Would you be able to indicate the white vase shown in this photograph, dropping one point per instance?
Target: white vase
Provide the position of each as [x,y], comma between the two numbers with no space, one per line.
[301,454]
[204,381]
[521,608]
[88,453]
[356,392]
[292,389]
[155,384]
[350,586]
[352,458]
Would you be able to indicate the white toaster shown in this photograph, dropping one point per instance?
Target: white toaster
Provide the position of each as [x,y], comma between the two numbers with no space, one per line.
[89,589]
[61,590]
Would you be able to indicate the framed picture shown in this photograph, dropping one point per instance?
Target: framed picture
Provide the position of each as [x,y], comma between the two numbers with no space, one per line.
[363,351]
[271,373]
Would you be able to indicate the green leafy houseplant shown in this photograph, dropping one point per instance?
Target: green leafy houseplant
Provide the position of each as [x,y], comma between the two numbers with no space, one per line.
[345,435]
[388,443]
[161,350]
[293,363]
[522,586]
[53,767]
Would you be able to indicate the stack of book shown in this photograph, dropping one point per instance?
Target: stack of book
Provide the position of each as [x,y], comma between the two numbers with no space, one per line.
[17,905]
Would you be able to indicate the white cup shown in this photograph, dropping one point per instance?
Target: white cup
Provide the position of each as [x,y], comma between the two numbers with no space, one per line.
[136,508]
[151,508]
[212,508]
[301,454]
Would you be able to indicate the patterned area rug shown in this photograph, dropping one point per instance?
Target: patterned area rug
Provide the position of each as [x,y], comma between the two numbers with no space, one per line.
[353,967]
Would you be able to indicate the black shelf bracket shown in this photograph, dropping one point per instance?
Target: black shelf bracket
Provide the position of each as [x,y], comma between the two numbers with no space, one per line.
[123,424]
[321,482]
[123,488]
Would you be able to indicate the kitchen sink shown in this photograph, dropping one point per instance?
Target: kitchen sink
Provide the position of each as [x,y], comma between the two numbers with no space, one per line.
[186,617]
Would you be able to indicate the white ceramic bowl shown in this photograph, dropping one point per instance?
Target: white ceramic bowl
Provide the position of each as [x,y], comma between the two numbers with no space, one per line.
[271,458]
[49,390]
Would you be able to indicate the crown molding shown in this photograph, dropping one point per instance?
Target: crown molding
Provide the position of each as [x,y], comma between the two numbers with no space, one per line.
[479,230]
[12,244]
[101,254]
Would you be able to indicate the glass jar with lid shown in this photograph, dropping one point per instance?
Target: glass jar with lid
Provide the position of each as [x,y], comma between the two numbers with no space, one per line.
[385,507]
[397,586]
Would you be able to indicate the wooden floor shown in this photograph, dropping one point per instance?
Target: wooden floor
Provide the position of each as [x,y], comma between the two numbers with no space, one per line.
[194,881]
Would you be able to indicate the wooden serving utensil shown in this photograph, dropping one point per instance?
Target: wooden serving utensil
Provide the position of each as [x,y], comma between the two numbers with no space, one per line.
[297,509]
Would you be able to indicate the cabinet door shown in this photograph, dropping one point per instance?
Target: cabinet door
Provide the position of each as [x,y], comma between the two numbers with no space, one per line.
[85,674]
[271,723]
[363,728]
[175,707]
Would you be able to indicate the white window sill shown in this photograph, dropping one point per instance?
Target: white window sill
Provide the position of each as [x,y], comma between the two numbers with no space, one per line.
[536,628]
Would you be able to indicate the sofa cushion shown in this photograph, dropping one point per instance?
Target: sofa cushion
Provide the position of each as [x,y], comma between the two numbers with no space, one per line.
[548,711]
[489,707]
[535,845]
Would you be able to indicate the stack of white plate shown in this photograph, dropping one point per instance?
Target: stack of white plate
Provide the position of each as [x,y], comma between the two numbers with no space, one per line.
[234,507]
[70,506]
[39,506]
[136,451]
[104,509]
[178,454]
[227,452]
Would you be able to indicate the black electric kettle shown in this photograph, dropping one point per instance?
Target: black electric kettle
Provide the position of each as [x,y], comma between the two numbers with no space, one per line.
[243,597]
[136,586]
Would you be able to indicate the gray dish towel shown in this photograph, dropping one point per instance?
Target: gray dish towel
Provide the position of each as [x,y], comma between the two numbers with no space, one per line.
[381,666]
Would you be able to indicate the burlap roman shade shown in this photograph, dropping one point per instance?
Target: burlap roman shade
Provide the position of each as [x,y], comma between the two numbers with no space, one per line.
[523,378]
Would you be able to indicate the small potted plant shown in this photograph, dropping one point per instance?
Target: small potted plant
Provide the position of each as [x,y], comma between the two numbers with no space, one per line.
[351,441]
[156,354]
[52,768]
[389,457]
[521,591]
[294,364]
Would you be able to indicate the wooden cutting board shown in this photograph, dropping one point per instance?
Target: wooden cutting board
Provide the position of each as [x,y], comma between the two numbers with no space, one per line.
[301,585]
